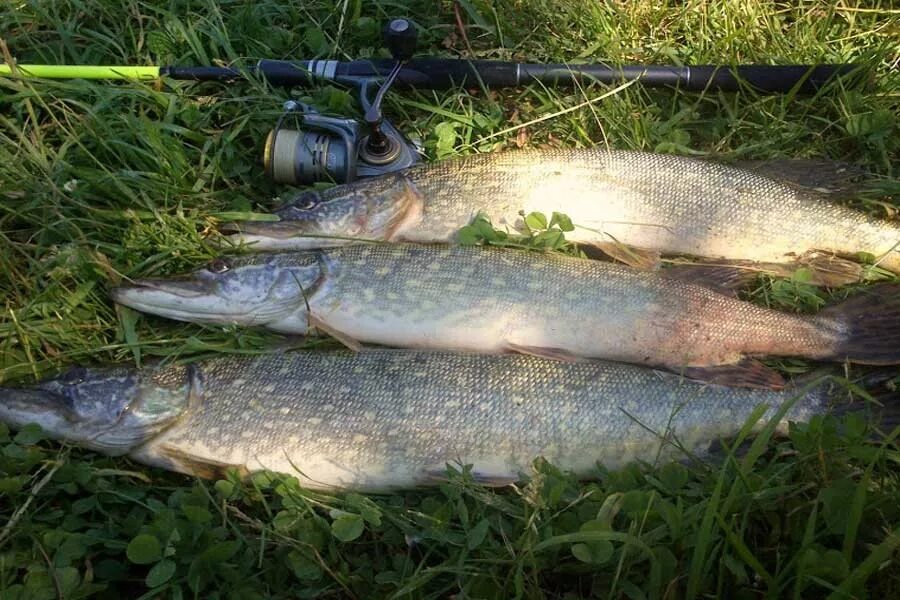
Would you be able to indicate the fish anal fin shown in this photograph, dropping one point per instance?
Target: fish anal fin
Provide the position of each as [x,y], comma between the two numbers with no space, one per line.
[541,352]
[724,278]
[829,270]
[748,372]
[729,276]
[343,338]
[638,258]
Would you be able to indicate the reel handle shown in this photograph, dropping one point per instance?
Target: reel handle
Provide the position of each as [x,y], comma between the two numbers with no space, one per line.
[400,37]
[379,148]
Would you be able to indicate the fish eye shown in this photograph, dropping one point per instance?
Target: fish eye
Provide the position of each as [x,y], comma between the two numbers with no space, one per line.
[306,201]
[73,376]
[219,266]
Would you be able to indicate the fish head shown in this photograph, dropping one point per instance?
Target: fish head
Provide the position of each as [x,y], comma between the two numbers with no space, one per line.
[379,208]
[250,290]
[111,410]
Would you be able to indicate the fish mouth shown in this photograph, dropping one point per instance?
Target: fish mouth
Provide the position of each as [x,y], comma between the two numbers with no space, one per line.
[179,299]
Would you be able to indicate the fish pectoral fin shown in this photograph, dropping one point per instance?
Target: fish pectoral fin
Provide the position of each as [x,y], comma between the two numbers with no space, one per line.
[438,475]
[748,372]
[540,352]
[343,338]
[726,278]
[205,468]
[638,258]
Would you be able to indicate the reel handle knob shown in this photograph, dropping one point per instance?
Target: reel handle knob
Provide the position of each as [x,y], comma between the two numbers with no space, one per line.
[400,37]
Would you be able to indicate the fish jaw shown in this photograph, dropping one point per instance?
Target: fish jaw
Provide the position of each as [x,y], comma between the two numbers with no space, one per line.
[249,294]
[376,210]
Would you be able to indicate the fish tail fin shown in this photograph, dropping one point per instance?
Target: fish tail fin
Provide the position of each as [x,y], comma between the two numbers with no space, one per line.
[882,387]
[867,326]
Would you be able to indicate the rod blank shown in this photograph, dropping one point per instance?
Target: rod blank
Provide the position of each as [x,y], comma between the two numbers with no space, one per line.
[440,73]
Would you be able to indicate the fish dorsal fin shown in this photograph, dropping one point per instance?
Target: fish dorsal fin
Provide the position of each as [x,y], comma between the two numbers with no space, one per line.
[817,175]
[748,372]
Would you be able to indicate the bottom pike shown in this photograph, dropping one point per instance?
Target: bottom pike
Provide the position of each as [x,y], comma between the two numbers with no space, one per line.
[385,419]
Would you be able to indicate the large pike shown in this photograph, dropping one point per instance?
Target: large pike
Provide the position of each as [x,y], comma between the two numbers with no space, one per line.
[394,419]
[659,203]
[494,300]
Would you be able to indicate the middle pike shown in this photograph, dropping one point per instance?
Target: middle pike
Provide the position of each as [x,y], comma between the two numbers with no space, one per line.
[496,300]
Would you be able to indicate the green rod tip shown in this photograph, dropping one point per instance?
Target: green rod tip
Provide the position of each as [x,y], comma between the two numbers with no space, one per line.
[82,72]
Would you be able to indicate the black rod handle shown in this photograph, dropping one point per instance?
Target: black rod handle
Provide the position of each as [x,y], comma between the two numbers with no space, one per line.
[768,79]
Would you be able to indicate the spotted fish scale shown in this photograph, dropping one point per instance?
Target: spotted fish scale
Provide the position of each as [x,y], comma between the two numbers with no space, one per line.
[386,419]
[488,300]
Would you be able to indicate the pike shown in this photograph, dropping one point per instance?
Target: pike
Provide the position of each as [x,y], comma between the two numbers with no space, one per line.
[388,419]
[633,206]
[494,300]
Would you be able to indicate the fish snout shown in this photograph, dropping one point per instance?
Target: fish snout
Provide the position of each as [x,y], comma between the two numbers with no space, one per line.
[279,235]
[184,299]
[20,406]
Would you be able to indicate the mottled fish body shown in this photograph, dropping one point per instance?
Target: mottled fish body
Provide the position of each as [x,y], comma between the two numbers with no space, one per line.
[496,300]
[386,419]
[663,203]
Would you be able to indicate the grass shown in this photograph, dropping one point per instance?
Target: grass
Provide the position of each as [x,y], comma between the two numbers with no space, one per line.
[100,182]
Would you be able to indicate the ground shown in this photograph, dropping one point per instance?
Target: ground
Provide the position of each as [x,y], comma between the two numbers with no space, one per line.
[100,181]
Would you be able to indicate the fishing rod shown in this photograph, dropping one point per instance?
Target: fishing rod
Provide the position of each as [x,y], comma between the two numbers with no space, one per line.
[324,148]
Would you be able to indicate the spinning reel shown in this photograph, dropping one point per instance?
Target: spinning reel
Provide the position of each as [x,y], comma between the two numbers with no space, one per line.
[338,150]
